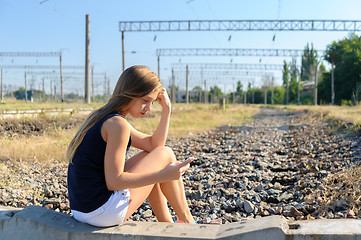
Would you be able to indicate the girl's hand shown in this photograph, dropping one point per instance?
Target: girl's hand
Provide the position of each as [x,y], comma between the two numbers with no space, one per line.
[175,170]
[164,100]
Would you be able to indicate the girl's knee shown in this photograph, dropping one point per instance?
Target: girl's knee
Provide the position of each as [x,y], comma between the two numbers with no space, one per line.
[165,153]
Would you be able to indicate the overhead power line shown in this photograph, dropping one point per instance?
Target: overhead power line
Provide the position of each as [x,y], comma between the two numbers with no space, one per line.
[30,54]
[223,73]
[40,67]
[240,25]
[243,66]
[231,52]
[64,73]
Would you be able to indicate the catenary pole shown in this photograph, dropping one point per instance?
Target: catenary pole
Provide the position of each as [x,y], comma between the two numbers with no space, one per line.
[26,90]
[123,58]
[61,79]
[298,91]
[43,90]
[333,84]
[315,87]
[87,59]
[173,88]
[1,85]
[287,91]
[92,79]
[272,91]
[158,60]
[187,90]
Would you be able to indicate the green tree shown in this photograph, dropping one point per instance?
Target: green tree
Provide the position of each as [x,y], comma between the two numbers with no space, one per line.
[346,56]
[293,81]
[285,73]
[258,95]
[279,94]
[309,58]
[197,88]
[285,78]
[214,93]
[239,90]
[237,94]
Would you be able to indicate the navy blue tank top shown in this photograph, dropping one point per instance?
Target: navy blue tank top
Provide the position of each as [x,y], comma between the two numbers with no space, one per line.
[87,188]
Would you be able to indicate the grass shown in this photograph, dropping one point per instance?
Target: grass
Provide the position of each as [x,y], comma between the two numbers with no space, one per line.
[344,118]
[11,104]
[48,149]
[192,118]
[346,113]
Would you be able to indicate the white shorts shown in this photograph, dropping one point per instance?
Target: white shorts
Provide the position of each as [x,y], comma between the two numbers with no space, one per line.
[111,213]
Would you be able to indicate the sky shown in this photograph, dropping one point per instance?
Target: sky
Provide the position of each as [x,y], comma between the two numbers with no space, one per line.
[59,25]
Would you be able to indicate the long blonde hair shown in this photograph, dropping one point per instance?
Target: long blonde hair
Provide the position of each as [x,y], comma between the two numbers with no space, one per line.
[135,82]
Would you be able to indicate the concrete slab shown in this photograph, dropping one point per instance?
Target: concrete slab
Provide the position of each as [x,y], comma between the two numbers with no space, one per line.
[261,228]
[38,223]
[325,229]
[8,212]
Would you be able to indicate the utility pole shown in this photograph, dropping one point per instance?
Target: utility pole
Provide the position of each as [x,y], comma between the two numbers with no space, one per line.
[61,79]
[87,59]
[253,92]
[205,87]
[173,88]
[158,60]
[26,90]
[272,91]
[92,71]
[234,94]
[1,86]
[333,84]
[298,91]
[265,95]
[214,95]
[315,88]
[287,91]
[51,90]
[245,97]
[108,88]
[123,58]
[43,91]
[105,87]
[187,91]
[205,92]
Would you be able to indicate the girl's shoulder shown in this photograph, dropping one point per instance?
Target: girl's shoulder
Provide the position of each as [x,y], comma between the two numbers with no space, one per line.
[116,122]
[115,126]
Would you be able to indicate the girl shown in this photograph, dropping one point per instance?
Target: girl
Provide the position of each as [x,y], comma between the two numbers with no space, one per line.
[105,189]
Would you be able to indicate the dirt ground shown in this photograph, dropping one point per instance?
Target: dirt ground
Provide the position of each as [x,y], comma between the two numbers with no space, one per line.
[37,126]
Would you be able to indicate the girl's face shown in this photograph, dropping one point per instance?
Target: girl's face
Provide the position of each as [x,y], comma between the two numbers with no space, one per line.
[139,107]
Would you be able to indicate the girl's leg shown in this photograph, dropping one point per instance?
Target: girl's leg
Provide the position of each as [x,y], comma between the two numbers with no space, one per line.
[156,198]
[173,190]
[159,204]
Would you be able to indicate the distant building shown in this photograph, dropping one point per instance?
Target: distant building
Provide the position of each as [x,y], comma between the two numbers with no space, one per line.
[307,87]
[194,96]
[20,95]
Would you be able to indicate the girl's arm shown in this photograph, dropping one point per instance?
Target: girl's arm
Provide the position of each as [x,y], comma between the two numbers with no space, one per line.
[159,137]
[115,132]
